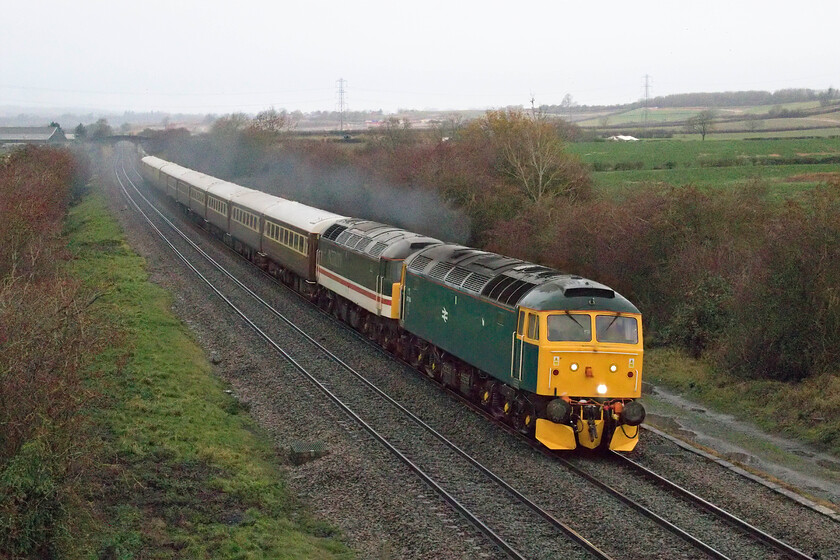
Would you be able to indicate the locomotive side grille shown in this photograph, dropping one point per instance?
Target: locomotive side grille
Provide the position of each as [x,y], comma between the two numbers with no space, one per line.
[475,282]
[457,275]
[440,270]
[419,263]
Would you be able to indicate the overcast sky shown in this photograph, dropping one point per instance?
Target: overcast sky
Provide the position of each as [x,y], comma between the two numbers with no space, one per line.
[211,56]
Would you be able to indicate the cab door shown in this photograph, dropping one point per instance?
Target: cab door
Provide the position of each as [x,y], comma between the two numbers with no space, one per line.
[517,340]
[525,352]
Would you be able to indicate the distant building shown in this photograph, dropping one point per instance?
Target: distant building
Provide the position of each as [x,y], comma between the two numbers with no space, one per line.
[31,135]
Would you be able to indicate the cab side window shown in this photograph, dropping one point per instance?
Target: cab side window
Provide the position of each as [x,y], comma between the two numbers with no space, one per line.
[533,326]
[521,329]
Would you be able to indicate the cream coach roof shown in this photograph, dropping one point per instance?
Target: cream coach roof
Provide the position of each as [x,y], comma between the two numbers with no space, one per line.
[199,180]
[226,190]
[154,162]
[173,170]
[307,218]
[256,201]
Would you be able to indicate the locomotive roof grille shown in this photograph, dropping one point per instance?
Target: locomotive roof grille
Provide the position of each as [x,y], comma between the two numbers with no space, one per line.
[493,261]
[589,292]
[475,282]
[351,240]
[495,286]
[457,275]
[515,291]
[507,290]
[440,270]
[377,249]
[419,263]
[363,242]
[334,231]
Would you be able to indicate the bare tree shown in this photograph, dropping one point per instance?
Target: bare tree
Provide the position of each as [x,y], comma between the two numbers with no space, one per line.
[533,155]
[273,121]
[702,123]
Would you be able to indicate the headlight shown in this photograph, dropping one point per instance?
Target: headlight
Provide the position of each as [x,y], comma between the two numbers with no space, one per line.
[574,367]
[602,389]
[613,368]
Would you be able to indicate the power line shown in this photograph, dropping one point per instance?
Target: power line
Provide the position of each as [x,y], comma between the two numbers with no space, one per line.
[341,102]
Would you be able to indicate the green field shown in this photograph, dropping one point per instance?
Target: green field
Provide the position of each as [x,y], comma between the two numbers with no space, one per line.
[672,118]
[786,165]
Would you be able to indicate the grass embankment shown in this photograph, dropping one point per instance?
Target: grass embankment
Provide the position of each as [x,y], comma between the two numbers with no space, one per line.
[185,473]
[808,410]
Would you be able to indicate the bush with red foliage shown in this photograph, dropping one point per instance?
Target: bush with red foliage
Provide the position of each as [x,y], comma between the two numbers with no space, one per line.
[45,341]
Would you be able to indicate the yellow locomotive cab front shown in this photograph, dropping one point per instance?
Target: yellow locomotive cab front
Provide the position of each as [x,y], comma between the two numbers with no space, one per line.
[590,362]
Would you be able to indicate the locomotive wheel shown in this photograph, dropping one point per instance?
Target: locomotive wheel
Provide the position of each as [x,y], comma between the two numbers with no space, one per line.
[507,407]
[433,365]
[367,327]
[524,419]
[389,340]
[353,318]
[417,353]
[486,395]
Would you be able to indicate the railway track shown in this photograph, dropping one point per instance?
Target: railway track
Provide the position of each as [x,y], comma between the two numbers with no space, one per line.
[471,489]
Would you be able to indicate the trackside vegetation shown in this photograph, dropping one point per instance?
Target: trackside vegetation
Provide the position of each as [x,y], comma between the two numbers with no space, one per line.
[158,461]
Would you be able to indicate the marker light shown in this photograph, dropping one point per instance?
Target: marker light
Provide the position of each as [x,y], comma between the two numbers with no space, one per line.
[574,367]
[602,389]
[613,368]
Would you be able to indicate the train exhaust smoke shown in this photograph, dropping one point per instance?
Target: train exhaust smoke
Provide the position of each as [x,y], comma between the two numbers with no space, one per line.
[342,190]
[347,192]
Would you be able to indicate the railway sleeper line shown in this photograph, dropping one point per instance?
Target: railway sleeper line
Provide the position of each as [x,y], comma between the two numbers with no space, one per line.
[573,538]
[708,550]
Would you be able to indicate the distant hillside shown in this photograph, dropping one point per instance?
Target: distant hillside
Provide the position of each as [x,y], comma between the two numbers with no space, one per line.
[710,99]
